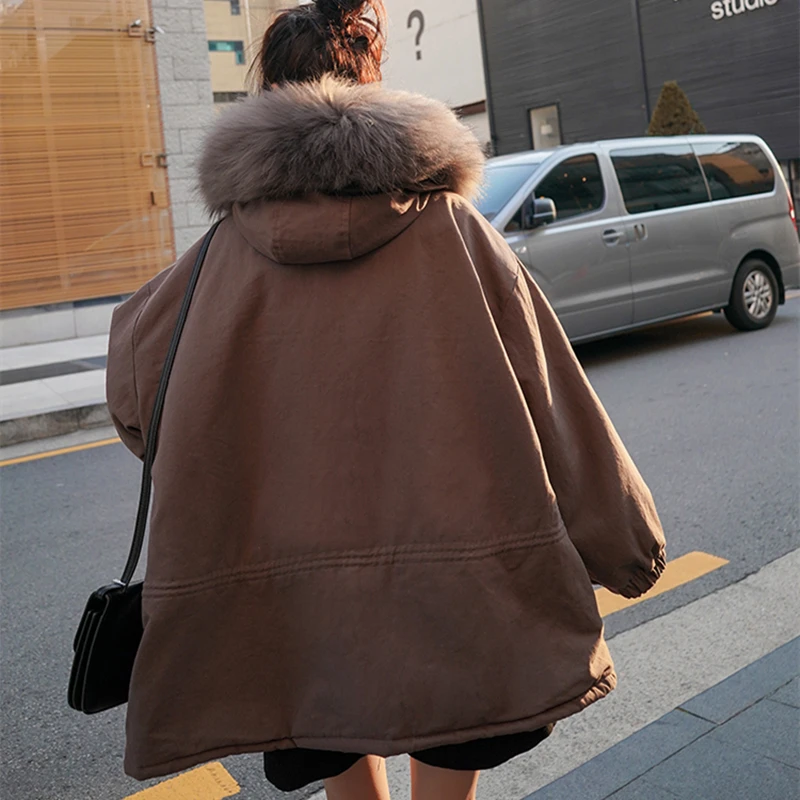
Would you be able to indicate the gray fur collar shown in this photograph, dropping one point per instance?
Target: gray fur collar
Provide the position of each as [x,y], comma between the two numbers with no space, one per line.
[332,137]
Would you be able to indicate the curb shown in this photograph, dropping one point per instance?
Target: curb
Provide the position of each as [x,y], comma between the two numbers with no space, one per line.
[53,423]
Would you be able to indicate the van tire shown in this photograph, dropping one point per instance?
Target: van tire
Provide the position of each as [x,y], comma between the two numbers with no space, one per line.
[754,296]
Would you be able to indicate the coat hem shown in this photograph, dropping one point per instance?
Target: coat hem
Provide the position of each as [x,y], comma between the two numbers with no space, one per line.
[599,689]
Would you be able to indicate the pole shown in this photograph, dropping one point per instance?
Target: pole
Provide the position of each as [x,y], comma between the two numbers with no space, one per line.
[487,79]
[637,15]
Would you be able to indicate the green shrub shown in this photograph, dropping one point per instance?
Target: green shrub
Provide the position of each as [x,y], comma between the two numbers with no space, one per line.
[674,115]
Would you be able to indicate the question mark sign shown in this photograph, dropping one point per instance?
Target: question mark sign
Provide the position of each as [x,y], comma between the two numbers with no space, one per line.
[418,15]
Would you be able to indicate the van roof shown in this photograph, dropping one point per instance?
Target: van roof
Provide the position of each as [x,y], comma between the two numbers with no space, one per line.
[539,156]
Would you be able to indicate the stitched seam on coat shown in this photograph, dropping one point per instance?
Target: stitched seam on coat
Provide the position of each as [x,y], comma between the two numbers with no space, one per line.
[468,252]
[133,358]
[407,554]
[471,259]
[511,293]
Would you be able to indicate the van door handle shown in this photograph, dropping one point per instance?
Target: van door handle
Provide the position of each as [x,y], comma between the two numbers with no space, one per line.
[640,231]
[611,237]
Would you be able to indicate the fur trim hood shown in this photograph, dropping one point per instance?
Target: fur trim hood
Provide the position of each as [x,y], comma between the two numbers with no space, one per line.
[331,137]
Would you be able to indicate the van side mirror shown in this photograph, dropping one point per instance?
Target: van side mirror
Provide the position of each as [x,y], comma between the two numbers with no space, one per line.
[544,211]
[539,211]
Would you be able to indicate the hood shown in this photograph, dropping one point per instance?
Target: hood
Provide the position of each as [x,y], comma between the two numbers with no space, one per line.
[319,229]
[334,138]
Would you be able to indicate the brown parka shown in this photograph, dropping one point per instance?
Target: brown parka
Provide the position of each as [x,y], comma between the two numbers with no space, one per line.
[383,486]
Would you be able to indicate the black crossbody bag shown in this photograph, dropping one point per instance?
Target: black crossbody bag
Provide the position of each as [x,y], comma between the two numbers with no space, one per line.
[111,626]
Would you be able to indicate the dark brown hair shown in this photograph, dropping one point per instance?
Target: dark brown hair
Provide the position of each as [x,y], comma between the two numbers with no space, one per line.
[344,38]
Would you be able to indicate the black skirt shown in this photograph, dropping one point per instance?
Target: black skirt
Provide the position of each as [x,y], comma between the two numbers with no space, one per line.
[289,770]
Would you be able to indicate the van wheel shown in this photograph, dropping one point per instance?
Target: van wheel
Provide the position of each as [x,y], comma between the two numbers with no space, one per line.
[754,297]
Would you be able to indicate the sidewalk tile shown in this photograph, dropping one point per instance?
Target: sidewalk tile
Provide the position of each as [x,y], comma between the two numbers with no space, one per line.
[25,399]
[746,687]
[771,729]
[714,770]
[640,789]
[32,355]
[79,388]
[613,769]
[789,694]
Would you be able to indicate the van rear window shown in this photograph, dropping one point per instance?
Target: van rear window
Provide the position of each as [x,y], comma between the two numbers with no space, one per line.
[655,178]
[736,169]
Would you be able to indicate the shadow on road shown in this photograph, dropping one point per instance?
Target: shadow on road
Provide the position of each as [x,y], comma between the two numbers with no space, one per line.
[700,329]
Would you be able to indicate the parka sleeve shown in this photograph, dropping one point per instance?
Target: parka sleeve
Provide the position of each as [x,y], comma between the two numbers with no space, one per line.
[607,508]
[121,389]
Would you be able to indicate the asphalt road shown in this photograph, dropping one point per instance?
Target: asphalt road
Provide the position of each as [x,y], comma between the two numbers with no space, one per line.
[710,416]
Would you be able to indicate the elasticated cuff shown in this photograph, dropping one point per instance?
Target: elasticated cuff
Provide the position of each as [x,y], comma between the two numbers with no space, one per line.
[644,579]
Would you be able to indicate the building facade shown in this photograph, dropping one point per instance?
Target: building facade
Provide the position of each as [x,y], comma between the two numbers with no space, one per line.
[234,29]
[434,48]
[102,105]
[563,71]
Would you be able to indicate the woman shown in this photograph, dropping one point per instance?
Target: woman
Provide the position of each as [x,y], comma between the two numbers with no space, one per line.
[383,486]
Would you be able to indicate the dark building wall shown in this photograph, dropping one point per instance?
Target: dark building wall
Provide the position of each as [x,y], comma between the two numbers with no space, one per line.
[580,54]
[742,73]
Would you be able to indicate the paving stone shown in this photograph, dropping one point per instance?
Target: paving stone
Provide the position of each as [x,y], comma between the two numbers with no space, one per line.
[769,728]
[713,770]
[748,686]
[789,694]
[613,769]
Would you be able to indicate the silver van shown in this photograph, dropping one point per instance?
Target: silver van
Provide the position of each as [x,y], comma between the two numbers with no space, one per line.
[623,233]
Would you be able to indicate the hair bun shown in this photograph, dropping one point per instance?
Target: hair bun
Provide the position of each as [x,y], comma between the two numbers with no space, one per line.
[335,11]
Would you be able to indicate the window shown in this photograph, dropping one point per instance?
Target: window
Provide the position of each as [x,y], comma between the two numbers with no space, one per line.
[228,47]
[545,127]
[501,184]
[736,169]
[575,186]
[655,178]
[236,8]
[228,97]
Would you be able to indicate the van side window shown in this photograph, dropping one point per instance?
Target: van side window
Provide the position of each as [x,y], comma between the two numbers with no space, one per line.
[736,169]
[655,178]
[575,186]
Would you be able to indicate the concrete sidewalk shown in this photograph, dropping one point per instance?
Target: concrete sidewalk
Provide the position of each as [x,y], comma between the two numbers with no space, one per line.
[52,388]
[739,740]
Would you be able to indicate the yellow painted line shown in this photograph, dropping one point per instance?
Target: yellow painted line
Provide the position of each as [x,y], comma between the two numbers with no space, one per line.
[678,572]
[63,451]
[211,782]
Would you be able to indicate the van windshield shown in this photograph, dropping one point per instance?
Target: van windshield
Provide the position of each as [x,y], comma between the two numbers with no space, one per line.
[501,184]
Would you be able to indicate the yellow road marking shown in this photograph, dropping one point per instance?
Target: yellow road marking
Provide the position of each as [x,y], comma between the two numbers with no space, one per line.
[682,570]
[63,451]
[211,782]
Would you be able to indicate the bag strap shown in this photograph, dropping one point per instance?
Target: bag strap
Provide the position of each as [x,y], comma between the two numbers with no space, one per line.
[155,419]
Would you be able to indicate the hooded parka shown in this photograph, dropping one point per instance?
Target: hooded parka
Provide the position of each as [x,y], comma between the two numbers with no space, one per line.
[383,485]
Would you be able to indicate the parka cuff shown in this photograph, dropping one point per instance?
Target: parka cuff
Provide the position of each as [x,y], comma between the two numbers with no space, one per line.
[644,579]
